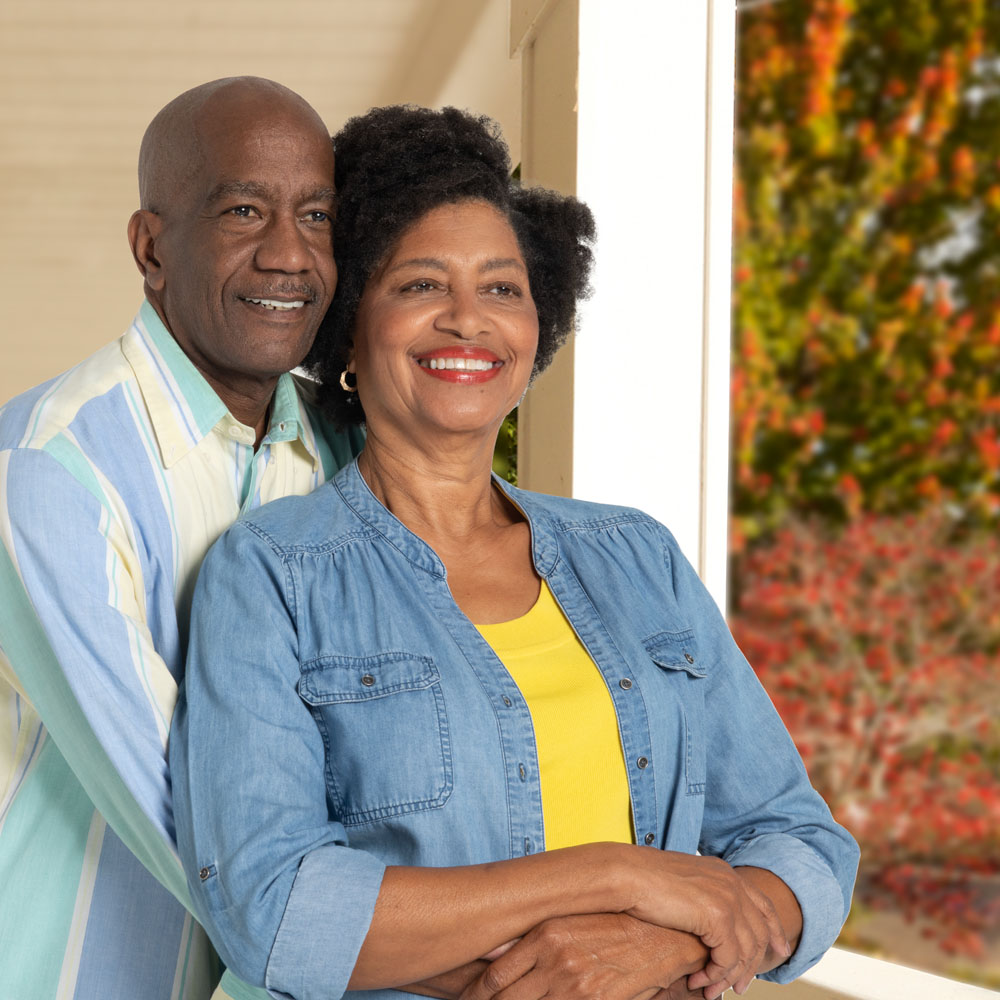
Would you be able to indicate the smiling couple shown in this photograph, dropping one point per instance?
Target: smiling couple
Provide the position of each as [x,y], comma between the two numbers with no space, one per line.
[436,735]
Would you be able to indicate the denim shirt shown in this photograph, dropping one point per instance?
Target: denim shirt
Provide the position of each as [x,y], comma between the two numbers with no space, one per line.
[342,714]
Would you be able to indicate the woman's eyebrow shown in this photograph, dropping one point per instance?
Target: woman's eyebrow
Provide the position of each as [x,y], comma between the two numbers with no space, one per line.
[498,263]
[433,262]
[493,264]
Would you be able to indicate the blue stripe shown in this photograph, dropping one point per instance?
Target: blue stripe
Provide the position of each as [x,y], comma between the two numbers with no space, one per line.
[120,956]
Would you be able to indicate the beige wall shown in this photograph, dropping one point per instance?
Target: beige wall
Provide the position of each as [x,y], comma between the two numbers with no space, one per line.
[80,81]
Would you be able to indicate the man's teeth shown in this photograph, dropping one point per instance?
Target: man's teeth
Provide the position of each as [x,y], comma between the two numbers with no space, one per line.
[275,304]
[458,364]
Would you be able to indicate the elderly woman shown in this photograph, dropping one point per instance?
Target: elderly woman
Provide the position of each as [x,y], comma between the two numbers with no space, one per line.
[427,714]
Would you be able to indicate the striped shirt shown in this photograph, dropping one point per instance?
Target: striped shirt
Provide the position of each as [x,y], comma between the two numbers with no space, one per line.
[115,478]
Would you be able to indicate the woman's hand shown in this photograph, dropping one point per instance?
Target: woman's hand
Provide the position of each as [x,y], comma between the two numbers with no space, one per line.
[601,956]
[731,916]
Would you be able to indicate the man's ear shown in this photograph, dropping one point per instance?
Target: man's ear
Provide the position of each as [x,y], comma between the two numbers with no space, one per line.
[143,231]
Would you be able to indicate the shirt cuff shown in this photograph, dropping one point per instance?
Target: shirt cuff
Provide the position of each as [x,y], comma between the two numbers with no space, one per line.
[817,890]
[324,924]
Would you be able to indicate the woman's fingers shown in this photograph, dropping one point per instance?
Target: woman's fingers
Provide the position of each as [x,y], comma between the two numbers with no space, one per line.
[733,918]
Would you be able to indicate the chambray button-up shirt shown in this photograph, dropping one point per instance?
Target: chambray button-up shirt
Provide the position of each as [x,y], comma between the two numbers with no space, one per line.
[342,714]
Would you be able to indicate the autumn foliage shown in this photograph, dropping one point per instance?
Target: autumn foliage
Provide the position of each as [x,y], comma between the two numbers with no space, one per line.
[878,644]
[866,425]
[867,259]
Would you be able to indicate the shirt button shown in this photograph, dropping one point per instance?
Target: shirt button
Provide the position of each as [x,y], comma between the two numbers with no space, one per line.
[625,684]
[507,701]
[368,680]
[689,657]
[522,772]
[203,874]
[643,762]
[649,838]
[281,427]
[234,432]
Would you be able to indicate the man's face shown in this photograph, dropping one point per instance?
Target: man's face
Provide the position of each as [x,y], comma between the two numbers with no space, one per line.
[245,246]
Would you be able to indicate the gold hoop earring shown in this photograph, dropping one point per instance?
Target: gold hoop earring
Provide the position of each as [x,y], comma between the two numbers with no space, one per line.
[343,381]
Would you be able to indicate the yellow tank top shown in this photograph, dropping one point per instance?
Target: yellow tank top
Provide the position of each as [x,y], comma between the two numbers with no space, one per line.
[585,796]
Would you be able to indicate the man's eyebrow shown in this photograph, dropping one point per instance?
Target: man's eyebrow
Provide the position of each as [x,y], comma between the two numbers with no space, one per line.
[237,189]
[324,194]
[253,191]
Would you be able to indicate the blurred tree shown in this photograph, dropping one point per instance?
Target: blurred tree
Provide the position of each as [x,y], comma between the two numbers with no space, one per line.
[867,260]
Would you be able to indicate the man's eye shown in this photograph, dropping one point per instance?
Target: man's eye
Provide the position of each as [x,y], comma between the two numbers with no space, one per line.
[318,216]
[503,289]
[420,286]
[243,211]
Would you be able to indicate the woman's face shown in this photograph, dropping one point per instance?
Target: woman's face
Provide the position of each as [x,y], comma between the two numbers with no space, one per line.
[446,329]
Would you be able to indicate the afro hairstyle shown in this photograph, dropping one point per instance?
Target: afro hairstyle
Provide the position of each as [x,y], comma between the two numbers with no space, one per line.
[393,166]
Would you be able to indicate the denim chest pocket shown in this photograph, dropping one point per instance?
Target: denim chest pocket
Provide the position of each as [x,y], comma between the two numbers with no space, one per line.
[385,730]
[676,654]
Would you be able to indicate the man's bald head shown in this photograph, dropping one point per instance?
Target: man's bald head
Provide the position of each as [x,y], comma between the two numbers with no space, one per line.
[172,149]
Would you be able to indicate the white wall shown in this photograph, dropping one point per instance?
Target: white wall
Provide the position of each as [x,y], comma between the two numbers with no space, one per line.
[650,417]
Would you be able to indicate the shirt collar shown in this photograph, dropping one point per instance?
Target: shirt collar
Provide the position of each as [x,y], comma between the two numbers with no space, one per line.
[356,493]
[183,407]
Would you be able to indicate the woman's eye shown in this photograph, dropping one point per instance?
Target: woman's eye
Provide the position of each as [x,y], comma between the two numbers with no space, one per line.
[503,289]
[420,286]
[319,216]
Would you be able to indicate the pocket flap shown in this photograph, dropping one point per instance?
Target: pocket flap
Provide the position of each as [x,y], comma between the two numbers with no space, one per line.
[675,651]
[330,680]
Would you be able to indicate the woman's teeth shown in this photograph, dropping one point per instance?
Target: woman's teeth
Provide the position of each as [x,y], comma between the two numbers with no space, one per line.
[458,364]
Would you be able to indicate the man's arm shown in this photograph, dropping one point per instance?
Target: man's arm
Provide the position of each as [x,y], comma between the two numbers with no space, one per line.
[73,632]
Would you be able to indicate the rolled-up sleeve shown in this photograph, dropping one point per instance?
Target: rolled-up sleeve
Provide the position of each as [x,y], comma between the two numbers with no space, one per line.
[285,898]
[760,807]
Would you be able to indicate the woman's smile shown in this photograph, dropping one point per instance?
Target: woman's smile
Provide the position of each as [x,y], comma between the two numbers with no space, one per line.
[464,366]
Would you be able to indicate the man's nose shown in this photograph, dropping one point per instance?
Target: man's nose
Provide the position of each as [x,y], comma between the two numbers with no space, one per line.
[284,246]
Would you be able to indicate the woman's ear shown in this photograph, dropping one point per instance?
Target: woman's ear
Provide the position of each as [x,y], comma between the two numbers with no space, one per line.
[143,231]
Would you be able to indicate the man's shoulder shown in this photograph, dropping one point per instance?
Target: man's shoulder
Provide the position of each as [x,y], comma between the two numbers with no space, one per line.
[35,417]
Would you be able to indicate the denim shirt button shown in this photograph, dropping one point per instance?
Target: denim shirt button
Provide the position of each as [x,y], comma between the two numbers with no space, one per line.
[689,657]
[649,838]
[625,684]
[203,874]
[507,701]
[368,680]
[522,772]
[643,762]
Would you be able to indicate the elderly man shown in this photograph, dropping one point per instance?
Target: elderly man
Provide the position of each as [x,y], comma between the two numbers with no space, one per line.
[114,480]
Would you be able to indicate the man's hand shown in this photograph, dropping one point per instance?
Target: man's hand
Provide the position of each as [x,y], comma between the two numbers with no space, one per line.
[449,985]
[601,956]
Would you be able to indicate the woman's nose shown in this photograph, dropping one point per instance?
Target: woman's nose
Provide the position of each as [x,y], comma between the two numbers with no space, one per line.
[464,315]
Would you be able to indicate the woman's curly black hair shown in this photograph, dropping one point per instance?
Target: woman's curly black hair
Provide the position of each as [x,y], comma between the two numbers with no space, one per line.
[397,163]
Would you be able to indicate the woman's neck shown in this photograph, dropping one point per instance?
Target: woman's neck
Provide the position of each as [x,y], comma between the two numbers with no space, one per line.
[444,494]
[446,497]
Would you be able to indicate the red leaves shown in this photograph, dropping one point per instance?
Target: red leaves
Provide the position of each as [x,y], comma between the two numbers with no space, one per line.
[880,646]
